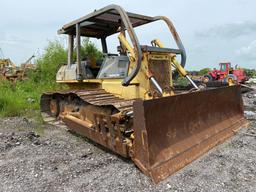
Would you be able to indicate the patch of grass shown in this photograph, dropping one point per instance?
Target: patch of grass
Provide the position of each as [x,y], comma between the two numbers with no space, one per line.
[181,81]
[11,102]
[15,100]
[227,145]
[23,97]
[40,130]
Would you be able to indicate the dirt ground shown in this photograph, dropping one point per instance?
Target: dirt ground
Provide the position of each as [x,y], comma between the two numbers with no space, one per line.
[45,158]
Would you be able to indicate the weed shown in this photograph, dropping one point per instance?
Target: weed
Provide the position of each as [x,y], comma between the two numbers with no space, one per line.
[23,97]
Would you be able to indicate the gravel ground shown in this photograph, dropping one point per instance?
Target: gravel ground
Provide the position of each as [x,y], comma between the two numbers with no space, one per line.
[44,158]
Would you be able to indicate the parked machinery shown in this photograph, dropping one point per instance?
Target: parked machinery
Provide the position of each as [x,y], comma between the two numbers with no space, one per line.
[130,105]
[7,67]
[226,74]
[9,71]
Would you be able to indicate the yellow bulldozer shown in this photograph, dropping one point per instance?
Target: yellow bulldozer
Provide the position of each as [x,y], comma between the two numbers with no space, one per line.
[127,102]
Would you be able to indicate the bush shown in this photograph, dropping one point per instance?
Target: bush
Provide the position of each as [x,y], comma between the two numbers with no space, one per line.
[18,98]
[89,50]
[204,71]
[48,64]
[24,96]
[181,81]
[250,72]
[13,101]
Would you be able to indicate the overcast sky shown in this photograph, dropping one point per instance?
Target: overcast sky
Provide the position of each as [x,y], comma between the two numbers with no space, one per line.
[211,31]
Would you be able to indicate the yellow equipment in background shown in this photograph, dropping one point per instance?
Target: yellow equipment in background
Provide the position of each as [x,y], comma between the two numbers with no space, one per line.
[9,71]
[6,63]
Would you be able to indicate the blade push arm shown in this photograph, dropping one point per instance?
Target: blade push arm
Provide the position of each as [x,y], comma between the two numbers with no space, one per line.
[175,63]
[128,47]
[183,72]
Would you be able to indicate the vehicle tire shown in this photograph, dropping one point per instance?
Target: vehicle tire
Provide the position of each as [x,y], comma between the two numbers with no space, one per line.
[207,78]
[230,79]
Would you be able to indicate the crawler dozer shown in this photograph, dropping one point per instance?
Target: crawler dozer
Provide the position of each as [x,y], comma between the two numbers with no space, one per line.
[127,101]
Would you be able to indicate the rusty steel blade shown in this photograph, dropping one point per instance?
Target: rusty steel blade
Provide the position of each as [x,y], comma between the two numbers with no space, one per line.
[173,131]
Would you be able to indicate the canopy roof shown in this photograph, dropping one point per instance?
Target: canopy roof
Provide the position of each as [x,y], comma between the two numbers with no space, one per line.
[103,22]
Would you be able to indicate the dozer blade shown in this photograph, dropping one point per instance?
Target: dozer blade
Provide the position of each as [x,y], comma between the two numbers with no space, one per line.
[173,131]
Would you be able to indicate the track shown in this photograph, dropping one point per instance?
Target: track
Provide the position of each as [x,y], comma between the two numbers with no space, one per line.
[96,114]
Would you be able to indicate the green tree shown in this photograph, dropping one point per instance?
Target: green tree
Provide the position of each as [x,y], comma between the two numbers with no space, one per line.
[250,72]
[89,50]
[204,71]
[55,55]
[24,96]
[48,64]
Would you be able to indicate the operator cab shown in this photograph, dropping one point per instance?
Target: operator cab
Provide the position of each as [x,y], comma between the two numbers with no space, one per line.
[101,24]
[225,67]
[114,67]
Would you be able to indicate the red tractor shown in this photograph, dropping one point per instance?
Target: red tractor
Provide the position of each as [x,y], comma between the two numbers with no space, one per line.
[227,74]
